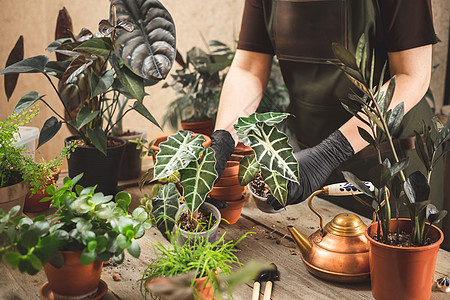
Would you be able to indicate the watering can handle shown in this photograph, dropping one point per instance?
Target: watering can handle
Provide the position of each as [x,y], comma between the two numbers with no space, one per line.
[336,189]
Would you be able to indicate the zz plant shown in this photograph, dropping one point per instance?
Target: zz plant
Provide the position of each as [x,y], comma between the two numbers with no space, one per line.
[86,221]
[372,108]
[273,156]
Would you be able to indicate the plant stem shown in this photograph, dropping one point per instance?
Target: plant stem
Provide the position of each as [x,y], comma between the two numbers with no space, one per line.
[59,95]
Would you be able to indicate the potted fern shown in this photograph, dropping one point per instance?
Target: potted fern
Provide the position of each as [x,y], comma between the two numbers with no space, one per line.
[403,252]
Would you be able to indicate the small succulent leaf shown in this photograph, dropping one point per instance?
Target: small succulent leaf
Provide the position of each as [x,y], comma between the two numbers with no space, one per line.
[248,169]
[416,187]
[100,46]
[14,56]
[98,138]
[85,116]
[345,56]
[396,118]
[99,85]
[150,49]
[198,178]
[141,109]
[359,49]
[35,64]
[177,152]
[443,135]
[134,249]
[379,175]
[277,185]
[123,200]
[245,124]
[366,136]
[12,258]
[105,28]
[29,239]
[49,130]
[165,207]
[354,113]
[26,101]
[358,84]
[87,257]
[273,151]
[355,181]
[433,215]
[389,94]
[376,120]
[132,82]
[421,152]
[76,67]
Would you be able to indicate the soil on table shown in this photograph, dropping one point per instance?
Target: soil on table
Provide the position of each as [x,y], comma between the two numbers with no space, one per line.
[204,221]
[403,239]
[259,187]
[109,143]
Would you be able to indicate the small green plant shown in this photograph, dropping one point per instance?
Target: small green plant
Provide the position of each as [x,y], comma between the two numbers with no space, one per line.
[84,220]
[198,259]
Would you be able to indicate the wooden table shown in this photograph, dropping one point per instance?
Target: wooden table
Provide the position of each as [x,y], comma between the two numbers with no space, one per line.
[271,242]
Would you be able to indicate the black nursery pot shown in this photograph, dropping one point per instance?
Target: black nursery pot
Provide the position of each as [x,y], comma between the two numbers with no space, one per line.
[98,169]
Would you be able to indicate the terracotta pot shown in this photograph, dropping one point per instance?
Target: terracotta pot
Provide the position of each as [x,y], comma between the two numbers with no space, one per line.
[227,181]
[204,127]
[161,139]
[241,149]
[74,279]
[13,195]
[227,193]
[232,213]
[402,272]
[205,289]
[33,202]
[231,169]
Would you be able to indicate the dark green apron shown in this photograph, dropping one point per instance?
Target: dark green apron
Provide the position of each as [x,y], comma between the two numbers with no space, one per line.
[301,32]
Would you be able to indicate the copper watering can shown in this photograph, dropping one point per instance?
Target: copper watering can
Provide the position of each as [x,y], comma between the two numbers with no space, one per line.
[339,251]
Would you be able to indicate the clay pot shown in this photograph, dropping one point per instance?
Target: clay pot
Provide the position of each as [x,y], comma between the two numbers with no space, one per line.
[227,193]
[205,289]
[203,127]
[241,149]
[232,213]
[231,169]
[33,202]
[402,272]
[13,195]
[161,139]
[74,279]
[227,181]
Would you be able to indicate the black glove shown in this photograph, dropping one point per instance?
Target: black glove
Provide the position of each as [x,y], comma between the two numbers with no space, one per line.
[223,145]
[315,165]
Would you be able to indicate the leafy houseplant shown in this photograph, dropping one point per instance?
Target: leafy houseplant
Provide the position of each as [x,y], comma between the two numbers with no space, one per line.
[85,222]
[199,261]
[184,159]
[392,186]
[198,84]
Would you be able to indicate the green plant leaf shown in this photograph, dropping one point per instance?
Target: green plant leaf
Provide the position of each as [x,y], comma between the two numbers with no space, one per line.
[444,135]
[85,116]
[248,169]
[420,150]
[360,49]
[29,239]
[198,178]
[416,187]
[98,138]
[130,81]
[433,215]
[12,258]
[87,257]
[76,67]
[35,64]
[344,56]
[380,175]
[245,124]
[123,242]
[14,56]
[356,182]
[49,130]
[99,85]
[123,200]
[277,185]
[98,45]
[140,108]
[26,101]
[366,136]
[376,120]
[395,118]
[389,94]
[273,151]
[134,249]
[92,245]
[354,112]
[150,49]
[177,152]
[165,207]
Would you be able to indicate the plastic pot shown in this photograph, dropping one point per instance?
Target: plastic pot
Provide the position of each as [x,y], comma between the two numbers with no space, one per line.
[261,203]
[203,127]
[211,234]
[33,202]
[74,280]
[232,213]
[131,165]
[98,169]
[13,195]
[402,272]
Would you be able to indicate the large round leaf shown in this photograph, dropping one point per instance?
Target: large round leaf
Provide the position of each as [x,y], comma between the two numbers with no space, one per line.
[150,49]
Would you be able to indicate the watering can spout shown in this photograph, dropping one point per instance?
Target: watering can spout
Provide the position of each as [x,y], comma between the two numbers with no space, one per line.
[303,243]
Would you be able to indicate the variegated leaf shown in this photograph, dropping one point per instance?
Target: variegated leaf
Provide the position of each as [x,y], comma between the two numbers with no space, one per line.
[150,49]
[248,169]
[273,151]
[277,185]
[165,208]
[198,178]
[177,152]
[245,124]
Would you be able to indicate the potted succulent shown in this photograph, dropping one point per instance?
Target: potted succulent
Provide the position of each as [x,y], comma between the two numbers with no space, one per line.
[71,245]
[195,267]
[403,252]
[86,73]
[198,84]
[183,158]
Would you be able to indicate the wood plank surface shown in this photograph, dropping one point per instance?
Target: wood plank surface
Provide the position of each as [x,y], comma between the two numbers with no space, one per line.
[270,241]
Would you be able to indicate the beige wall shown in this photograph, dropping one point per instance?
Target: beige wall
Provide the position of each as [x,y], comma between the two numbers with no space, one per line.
[214,19]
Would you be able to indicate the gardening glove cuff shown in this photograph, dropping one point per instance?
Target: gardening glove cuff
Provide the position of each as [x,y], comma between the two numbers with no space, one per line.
[223,145]
[315,165]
